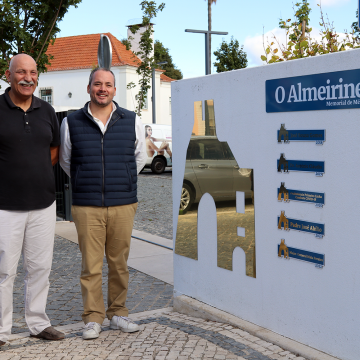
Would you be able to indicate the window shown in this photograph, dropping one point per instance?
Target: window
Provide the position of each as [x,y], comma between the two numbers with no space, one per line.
[46,95]
[209,149]
[212,150]
[170,105]
[227,151]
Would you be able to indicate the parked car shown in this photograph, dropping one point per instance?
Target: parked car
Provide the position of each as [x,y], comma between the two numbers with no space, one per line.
[211,168]
[158,147]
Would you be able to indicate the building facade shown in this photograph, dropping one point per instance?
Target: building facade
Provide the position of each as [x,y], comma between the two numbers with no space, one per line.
[64,85]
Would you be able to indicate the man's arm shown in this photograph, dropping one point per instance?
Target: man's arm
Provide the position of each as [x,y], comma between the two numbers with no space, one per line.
[140,149]
[65,147]
[54,151]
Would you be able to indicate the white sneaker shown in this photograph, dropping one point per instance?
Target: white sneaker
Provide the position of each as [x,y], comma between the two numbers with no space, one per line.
[124,324]
[91,331]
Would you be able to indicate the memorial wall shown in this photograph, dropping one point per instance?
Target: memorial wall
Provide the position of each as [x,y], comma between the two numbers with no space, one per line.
[265,197]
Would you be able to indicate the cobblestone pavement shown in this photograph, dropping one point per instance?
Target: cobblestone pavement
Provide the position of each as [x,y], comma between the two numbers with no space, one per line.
[64,304]
[166,335]
[227,222]
[154,213]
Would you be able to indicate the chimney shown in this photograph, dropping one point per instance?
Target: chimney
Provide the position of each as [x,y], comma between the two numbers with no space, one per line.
[136,37]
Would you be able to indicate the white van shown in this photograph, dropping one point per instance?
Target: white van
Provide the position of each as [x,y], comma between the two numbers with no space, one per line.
[158,147]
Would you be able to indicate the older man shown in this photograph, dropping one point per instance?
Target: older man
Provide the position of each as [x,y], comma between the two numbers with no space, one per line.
[29,141]
[103,149]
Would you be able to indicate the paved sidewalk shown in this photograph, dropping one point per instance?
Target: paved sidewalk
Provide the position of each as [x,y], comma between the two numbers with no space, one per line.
[64,304]
[164,335]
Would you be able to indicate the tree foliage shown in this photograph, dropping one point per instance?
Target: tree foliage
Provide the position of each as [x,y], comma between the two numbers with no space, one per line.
[300,41]
[127,43]
[28,26]
[355,26]
[230,56]
[161,54]
[150,11]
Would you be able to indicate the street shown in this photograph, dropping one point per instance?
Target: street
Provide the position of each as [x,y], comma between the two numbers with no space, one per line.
[154,213]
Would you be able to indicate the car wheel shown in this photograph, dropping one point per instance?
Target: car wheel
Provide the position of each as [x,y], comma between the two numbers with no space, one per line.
[158,165]
[187,198]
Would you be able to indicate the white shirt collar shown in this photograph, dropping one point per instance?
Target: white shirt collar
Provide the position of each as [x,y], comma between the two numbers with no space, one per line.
[90,113]
[98,121]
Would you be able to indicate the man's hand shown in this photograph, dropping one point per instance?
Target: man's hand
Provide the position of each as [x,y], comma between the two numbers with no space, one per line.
[54,154]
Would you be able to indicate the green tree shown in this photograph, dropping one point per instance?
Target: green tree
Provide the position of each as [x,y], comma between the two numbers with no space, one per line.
[127,43]
[230,56]
[301,43]
[150,11]
[355,26]
[28,26]
[161,53]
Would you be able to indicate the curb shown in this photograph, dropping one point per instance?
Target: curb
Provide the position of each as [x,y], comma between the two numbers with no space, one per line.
[189,306]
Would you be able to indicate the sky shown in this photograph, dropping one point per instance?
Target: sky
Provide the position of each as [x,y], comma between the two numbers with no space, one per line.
[246,21]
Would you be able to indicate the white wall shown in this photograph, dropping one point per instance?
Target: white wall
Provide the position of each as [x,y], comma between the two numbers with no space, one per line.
[3,85]
[128,74]
[64,82]
[163,104]
[135,39]
[317,307]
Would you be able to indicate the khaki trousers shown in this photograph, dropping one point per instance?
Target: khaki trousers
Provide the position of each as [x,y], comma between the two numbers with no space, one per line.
[99,229]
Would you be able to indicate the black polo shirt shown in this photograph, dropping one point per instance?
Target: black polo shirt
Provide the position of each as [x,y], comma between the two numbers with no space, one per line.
[26,174]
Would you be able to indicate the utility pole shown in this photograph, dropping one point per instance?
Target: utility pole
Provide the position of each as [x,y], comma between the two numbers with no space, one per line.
[207,45]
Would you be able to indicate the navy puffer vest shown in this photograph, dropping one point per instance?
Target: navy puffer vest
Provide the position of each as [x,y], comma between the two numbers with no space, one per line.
[103,168]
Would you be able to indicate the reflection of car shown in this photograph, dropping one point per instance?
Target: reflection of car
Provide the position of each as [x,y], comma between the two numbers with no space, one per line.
[211,168]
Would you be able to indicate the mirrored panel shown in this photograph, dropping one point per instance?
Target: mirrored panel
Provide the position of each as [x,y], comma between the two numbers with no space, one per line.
[211,168]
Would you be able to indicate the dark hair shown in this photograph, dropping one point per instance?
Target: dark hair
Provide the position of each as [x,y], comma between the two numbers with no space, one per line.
[146,127]
[97,69]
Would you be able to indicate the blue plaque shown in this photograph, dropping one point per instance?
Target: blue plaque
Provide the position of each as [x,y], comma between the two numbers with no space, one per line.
[318,136]
[300,225]
[299,254]
[326,91]
[300,165]
[298,195]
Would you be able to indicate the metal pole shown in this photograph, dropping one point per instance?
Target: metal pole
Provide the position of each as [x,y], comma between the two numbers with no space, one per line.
[207,45]
[207,54]
[153,97]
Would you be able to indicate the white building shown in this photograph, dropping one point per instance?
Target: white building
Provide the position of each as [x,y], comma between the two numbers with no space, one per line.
[64,85]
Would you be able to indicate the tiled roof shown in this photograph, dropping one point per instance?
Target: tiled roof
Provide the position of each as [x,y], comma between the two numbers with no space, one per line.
[80,52]
[166,78]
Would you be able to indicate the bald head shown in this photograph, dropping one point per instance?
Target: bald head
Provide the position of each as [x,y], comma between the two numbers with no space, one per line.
[20,58]
[22,76]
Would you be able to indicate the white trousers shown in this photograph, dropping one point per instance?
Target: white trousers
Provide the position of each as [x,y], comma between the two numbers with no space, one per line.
[32,234]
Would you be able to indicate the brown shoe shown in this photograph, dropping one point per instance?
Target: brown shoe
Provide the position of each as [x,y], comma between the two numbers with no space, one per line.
[50,333]
[2,343]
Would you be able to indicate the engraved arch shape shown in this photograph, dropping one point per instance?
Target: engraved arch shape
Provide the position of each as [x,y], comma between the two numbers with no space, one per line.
[209,163]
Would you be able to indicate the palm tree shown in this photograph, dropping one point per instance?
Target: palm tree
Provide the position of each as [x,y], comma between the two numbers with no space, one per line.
[209,26]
